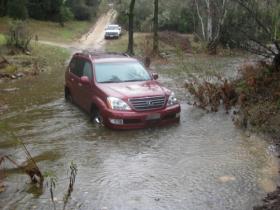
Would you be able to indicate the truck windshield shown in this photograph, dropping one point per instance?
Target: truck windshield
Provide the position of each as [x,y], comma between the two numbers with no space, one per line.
[112,28]
[120,72]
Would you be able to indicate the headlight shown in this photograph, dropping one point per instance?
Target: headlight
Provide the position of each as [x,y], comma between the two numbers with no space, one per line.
[117,104]
[172,100]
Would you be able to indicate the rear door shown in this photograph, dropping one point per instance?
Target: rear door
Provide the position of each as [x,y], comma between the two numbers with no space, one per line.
[76,68]
[86,91]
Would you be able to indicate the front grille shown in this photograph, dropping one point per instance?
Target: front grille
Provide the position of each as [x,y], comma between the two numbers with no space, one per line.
[111,34]
[147,103]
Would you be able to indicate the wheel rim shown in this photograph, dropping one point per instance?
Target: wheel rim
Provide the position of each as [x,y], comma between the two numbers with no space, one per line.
[68,97]
[97,118]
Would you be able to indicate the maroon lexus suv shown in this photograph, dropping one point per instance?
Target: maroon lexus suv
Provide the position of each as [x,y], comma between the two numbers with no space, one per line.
[118,92]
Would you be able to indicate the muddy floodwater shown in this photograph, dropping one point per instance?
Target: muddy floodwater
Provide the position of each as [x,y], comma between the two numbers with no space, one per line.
[204,162]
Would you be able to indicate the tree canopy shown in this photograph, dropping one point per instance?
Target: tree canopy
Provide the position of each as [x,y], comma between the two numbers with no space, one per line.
[54,10]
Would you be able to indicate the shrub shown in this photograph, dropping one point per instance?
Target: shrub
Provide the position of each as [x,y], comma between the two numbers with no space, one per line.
[19,36]
[65,14]
[82,12]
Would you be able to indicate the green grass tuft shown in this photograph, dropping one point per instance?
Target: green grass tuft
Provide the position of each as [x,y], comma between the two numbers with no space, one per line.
[2,39]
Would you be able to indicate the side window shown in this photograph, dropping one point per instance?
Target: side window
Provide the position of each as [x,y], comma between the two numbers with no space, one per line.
[79,67]
[87,70]
[72,66]
[76,66]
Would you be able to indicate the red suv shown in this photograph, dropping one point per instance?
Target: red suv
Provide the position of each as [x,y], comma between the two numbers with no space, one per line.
[117,91]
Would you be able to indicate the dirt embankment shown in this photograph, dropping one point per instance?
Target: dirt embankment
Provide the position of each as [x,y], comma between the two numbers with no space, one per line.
[16,65]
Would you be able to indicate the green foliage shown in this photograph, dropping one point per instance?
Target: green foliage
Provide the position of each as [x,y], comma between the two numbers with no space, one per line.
[171,16]
[54,10]
[38,9]
[2,39]
[17,9]
[278,103]
[65,14]
[3,7]
[19,36]
[82,10]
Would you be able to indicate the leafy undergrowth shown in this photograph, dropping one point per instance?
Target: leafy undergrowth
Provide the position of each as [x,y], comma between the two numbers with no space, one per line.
[271,202]
[2,39]
[15,64]
[256,93]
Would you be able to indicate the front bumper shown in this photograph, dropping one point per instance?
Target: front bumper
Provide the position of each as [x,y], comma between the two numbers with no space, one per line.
[136,120]
[108,36]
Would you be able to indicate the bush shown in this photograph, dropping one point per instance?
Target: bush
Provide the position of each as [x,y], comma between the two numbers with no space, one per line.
[16,9]
[65,14]
[38,9]
[19,36]
[82,12]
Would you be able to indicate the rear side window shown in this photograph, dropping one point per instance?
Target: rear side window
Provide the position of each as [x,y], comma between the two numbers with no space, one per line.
[81,67]
[72,66]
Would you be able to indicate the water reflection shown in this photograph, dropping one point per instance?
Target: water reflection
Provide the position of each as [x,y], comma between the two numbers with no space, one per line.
[203,163]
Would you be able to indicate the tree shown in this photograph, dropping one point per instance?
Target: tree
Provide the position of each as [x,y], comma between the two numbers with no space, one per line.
[130,49]
[17,9]
[155,44]
[80,9]
[39,9]
[3,7]
[212,15]
[264,38]
[65,14]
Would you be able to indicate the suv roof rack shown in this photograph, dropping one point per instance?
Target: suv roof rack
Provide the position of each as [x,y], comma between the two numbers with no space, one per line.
[101,54]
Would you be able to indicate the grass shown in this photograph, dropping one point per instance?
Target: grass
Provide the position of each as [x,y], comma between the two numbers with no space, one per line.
[42,58]
[2,39]
[51,31]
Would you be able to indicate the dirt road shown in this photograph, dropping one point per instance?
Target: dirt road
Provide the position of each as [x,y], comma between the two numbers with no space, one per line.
[94,39]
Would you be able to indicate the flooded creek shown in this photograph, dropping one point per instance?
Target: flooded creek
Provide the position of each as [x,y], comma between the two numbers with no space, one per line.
[204,162]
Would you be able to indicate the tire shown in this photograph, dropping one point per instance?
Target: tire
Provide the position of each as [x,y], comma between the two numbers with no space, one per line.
[68,96]
[96,116]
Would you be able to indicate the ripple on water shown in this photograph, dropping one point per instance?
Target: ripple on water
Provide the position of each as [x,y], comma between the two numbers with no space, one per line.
[203,163]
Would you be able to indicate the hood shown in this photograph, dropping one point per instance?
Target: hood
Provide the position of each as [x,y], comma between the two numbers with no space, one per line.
[134,89]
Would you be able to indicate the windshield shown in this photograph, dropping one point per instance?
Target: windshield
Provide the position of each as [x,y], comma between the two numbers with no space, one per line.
[120,72]
[112,28]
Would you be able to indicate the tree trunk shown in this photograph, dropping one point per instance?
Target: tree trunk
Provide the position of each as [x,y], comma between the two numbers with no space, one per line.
[209,22]
[201,20]
[155,46]
[130,49]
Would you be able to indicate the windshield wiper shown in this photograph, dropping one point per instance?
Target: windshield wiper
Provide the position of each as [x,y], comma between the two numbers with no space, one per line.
[135,80]
[111,82]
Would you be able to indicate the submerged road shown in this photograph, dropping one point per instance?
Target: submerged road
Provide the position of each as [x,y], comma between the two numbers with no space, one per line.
[202,163]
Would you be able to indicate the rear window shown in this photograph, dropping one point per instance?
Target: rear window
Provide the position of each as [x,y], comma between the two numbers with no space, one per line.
[120,72]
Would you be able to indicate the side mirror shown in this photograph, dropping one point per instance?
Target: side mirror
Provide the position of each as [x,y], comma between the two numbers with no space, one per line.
[155,76]
[85,80]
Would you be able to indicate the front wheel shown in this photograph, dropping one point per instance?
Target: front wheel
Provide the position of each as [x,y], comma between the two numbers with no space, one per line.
[68,96]
[96,117]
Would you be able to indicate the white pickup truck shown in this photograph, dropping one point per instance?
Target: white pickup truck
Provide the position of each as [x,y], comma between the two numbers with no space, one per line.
[113,31]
